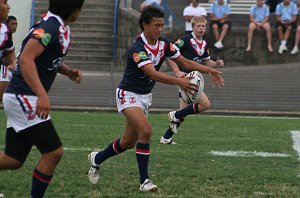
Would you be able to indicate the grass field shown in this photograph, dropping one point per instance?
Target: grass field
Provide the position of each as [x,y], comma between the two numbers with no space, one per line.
[185,170]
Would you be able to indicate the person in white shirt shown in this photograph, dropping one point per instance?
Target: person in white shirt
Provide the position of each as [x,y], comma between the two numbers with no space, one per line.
[190,11]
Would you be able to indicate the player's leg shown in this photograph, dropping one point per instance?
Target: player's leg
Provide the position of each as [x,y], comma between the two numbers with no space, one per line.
[252,27]
[167,137]
[297,39]
[47,141]
[268,30]
[16,150]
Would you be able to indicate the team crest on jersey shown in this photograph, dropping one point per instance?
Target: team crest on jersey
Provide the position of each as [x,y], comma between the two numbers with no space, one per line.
[132,100]
[143,55]
[40,34]
[136,57]
[179,43]
[172,48]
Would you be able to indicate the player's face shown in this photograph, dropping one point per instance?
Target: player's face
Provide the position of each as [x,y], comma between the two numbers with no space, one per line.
[199,29]
[12,24]
[154,29]
[4,9]
[74,16]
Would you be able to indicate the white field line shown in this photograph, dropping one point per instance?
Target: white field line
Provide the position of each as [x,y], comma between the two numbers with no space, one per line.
[247,154]
[296,142]
[73,149]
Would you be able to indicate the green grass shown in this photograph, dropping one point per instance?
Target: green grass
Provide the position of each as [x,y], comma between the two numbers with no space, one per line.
[183,170]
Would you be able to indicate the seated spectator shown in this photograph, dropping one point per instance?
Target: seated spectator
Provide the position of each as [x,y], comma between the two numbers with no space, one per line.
[219,16]
[12,23]
[146,3]
[190,11]
[259,19]
[286,16]
[297,36]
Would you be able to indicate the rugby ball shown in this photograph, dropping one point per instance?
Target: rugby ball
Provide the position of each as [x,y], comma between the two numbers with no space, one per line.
[194,96]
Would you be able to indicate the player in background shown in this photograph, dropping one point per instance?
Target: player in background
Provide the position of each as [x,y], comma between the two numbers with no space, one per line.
[26,101]
[133,95]
[12,23]
[7,49]
[193,47]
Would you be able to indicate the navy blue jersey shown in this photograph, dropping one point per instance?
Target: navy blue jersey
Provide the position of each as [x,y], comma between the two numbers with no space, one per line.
[141,54]
[192,49]
[55,37]
[6,43]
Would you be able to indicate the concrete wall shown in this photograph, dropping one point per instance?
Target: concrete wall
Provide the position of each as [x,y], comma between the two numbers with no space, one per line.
[21,9]
[235,43]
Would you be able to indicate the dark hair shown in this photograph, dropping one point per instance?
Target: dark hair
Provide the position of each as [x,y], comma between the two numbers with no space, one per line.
[64,8]
[148,14]
[9,18]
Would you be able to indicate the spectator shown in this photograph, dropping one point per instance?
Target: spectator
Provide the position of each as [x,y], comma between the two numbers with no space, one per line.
[219,16]
[259,18]
[297,37]
[286,16]
[190,11]
[272,4]
[12,23]
[146,3]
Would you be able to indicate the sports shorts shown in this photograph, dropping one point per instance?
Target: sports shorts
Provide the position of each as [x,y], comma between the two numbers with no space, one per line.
[20,111]
[5,74]
[126,99]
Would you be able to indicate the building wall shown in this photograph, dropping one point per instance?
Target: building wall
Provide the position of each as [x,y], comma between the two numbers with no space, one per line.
[22,11]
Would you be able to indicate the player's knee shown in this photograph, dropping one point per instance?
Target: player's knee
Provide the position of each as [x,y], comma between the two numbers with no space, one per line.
[146,132]
[55,156]
[205,105]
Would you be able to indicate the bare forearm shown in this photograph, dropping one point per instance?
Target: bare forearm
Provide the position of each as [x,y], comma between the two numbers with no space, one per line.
[191,65]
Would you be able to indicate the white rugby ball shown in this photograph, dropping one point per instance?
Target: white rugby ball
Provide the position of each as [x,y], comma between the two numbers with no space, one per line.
[194,96]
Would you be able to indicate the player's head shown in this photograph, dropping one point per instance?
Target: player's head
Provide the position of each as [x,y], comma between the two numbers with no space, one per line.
[199,25]
[148,15]
[68,10]
[12,23]
[4,10]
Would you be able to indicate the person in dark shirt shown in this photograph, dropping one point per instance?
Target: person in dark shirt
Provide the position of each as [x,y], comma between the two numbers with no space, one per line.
[133,95]
[26,103]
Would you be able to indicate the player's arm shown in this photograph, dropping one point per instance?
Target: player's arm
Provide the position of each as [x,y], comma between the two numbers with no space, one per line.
[10,60]
[27,65]
[74,74]
[193,66]
[218,63]
[174,67]
[184,83]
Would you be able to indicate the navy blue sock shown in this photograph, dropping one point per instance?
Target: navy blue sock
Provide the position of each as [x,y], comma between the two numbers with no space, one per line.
[142,155]
[169,133]
[40,183]
[113,149]
[192,109]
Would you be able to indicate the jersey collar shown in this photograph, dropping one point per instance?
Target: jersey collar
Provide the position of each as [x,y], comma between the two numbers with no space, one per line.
[50,14]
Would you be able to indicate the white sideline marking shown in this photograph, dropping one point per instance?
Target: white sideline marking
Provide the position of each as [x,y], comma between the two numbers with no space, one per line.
[74,149]
[296,142]
[247,154]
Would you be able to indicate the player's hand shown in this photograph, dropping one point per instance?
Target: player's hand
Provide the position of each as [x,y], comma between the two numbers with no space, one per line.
[42,107]
[219,62]
[75,75]
[180,74]
[216,77]
[11,67]
[186,85]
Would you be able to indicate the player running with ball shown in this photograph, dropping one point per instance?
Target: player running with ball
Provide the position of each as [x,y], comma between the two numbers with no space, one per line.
[133,94]
[193,47]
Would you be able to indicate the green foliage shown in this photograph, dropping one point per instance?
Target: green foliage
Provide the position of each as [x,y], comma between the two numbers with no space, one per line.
[183,170]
